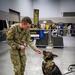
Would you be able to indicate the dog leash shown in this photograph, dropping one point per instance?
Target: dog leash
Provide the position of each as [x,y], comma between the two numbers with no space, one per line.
[62,74]
[68,72]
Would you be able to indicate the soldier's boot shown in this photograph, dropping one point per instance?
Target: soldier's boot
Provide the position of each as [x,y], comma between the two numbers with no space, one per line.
[22,73]
[17,73]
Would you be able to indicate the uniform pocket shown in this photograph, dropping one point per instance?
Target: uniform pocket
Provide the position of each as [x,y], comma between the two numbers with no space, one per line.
[14,51]
[15,59]
[16,62]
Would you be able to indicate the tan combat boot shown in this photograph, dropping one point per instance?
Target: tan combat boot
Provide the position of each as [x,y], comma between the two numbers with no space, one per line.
[22,73]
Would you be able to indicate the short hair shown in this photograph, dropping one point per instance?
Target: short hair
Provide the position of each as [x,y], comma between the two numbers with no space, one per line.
[26,20]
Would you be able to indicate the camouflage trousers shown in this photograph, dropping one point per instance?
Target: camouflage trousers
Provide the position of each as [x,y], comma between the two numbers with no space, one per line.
[18,59]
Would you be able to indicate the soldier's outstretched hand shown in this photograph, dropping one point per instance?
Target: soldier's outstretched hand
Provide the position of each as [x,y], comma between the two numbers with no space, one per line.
[39,51]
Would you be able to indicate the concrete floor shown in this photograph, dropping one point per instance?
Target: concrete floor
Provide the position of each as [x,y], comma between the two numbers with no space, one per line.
[34,61]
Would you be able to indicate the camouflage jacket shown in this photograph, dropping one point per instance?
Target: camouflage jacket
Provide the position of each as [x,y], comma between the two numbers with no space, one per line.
[17,37]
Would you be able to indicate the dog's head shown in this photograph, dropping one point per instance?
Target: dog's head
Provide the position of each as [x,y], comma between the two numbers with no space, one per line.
[48,55]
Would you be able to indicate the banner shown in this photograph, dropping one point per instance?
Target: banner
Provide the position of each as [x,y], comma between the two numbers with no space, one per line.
[36,16]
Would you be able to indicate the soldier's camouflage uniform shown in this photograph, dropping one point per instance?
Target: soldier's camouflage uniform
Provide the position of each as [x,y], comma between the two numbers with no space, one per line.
[15,38]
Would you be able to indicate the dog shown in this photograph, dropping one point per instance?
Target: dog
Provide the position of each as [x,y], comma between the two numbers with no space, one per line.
[48,66]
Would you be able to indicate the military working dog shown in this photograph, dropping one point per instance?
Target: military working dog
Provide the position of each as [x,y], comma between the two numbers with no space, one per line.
[48,66]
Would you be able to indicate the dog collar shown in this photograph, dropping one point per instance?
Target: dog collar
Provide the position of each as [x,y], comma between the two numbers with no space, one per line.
[49,60]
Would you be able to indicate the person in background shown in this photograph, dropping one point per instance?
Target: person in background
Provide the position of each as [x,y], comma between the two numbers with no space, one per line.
[69,29]
[17,36]
[65,29]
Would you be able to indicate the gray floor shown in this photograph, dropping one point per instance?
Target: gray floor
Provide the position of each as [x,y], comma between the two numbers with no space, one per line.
[34,61]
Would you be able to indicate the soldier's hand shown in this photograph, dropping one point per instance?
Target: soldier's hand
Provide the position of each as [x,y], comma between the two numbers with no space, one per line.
[39,51]
[22,47]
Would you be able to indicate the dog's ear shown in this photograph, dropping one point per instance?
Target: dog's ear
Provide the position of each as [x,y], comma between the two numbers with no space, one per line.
[54,55]
[44,52]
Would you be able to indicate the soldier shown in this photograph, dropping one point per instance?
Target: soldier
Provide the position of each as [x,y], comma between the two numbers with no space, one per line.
[16,37]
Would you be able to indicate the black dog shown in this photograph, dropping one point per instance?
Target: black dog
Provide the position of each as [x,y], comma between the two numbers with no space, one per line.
[48,66]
